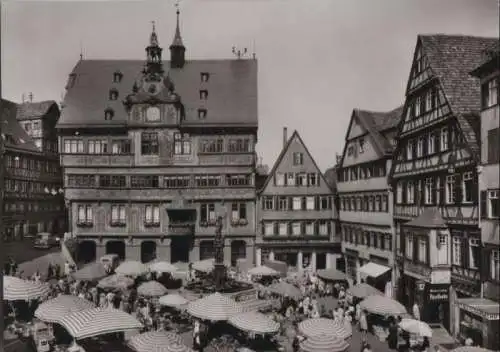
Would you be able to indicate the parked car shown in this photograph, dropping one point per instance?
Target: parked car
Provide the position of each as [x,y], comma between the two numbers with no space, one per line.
[45,240]
[110,260]
[43,336]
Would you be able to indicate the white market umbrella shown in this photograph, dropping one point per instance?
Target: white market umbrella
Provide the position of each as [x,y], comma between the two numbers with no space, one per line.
[214,307]
[324,343]
[91,272]
[263,271]
[254,322]
[151,289]
[363,290]
[132,268]
[53,310]
[162,267]
[153,341]
[97,321]
[382,305]
[172,300]
[205,266]
[416,327]
[16,289]
[323,326]
[116,282]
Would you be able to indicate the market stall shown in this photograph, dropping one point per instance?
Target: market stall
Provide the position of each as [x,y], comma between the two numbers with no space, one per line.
[323,326]
[324,342]
[16,289]
[157,341]
[151,289]
[214,307]
[53,310]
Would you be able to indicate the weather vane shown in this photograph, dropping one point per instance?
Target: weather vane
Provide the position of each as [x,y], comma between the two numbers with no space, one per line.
[154,25]
[239,53]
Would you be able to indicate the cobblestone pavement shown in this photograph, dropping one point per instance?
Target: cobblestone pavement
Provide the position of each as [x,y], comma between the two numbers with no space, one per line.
[23,251]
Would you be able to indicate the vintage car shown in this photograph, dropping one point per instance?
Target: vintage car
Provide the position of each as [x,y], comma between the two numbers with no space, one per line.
[43,336]
[46,240]
[110,261]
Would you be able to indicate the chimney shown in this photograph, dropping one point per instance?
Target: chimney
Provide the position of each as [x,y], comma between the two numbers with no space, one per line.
[285,136]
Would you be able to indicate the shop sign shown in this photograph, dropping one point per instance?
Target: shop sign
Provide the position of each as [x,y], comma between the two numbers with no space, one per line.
[438,294]
[478,312]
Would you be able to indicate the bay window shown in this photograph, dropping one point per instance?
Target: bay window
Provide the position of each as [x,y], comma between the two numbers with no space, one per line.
[474,253]
[456,255]
[422,250]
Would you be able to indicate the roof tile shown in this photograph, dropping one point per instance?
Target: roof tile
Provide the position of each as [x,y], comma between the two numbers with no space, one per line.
[32,110]
[429,218]
[13,134]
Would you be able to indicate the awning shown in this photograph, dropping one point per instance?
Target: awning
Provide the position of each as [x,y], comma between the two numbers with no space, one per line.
[373,269]
[485,308]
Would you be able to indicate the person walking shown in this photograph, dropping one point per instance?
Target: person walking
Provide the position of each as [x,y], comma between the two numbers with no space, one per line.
[363,325]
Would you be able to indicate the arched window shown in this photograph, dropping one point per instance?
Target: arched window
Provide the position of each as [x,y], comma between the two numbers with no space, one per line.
[113,94]
[117,76]
[109,114]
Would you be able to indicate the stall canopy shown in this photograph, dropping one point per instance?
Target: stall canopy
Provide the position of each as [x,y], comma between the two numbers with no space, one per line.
[205,266]
[132,268]
[323,326]
[363,290]
[151,289]
[332,275]
[155,341]
[254,322]
[283,288]
[162,267]
[96,321]
[263,271]
[172,300]
[115,282]
[382,305]
[53,310]
[16,289]
[214,307]
[373,269]
[485,308]
[324,343]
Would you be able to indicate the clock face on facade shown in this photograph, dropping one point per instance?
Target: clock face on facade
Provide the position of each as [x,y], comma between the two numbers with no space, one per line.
[153,113]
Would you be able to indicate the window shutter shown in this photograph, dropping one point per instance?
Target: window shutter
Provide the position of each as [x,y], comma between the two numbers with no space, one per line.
[416,240]
[434,191]
[263,229]
[457,189]
[485,264]
[303,203]
[290,203]
[483,204]
[275,228]
[288,228]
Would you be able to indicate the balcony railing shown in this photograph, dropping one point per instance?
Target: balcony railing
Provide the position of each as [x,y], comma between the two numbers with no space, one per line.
[96,160]
[238,159]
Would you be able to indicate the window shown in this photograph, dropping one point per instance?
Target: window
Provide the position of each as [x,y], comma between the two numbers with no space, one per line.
[238,211]
[370,203]
[309,228]
[467,187]
[474,253]
[282,203]
[211,145]
[442,249]
[290,179]
[85,214]
[238,180]
[202,114]
[73,146]
[98,147]
[431,143]
[350,150]
[118,214]
[420,147]
[27,127]
[409,246]
[495,264]
[410,192]
[176,181]
[239,145]
[422,250]
[297,203]
[378,203]
[112,181]
[120,147]
[429,188]
[493,146]
[312,179]
[81,181]
[409,150]
[109,114]
[204,76]
[490,93]
[182,144]
[207,180]
[325,203]
[493,204]
[283,228]
[38,143]
[388,242]
[149,143]
[268,203]
[444,139]
[268,228]
[279,179]
[113,94]
[296,228]
[152,215]
[417,105]
[361,145]
[301,180]
[207,212]
[456,249]
[203,94]
[310,203]
[298,158]
[117,76]
[144,181]
[323,228]
[399,193]
[450,189]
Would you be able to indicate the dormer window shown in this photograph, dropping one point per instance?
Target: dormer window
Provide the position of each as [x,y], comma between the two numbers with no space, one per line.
[117,77]
[113,94]
[202,113]
[108,114]
[71,80]
[205,76]
[203,94]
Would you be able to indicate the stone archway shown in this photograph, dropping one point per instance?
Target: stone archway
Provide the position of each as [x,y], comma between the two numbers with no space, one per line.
[116,247]
[148,251]
[86,251]
[238,251]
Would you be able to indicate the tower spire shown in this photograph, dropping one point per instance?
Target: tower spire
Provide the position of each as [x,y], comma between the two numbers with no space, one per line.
[177,49]
[177,37]
[153,53]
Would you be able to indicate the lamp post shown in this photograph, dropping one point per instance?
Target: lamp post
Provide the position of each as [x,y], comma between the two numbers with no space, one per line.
[219,271]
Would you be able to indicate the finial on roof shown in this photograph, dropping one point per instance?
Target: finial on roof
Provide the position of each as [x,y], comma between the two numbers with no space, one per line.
[177,37]
[153,40]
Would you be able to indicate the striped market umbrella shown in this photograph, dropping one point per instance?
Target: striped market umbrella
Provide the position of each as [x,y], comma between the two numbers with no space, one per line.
[263,271]
[52,311]
[175,347]
[153,341]
[214,307]
[323,326]
[97,321]
[382,305]
[162,267]
[172,300]
[331,275]
[254,322]
[16,289]
[363,290]
[324,343]
[91,272]
[116,282]
[416,327]
[132,268]
[283,288]
[470,349]
[205,266]
[151,289]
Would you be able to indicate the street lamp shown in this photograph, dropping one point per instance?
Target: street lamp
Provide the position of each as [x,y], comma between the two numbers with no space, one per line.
[219,271]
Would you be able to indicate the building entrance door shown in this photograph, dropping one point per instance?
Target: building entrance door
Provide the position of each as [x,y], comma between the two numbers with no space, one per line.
[179,249]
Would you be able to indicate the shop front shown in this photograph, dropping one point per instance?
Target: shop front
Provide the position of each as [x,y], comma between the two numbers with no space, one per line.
[376,272]
[436,308]
[479,320]
[351,263]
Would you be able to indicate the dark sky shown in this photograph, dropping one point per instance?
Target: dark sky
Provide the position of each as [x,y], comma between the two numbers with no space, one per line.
[318,59]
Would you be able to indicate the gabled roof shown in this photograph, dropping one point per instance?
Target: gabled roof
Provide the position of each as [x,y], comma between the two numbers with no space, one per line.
[451,59]
[30,110]
[331,177]
[282,155]
[14,136]
[231,86]
[430,218]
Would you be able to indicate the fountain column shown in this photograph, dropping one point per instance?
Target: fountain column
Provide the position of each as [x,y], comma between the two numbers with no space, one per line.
[219,268]
[258,257]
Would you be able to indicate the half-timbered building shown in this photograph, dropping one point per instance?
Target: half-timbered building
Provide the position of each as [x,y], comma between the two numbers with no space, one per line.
[296,211]
[155,151]
[434,175]
[365,200]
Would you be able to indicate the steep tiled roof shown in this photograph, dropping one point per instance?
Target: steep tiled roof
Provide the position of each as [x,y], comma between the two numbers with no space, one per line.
[232,91]
[377,122]
[14,135]
[429,218]
[33,110]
